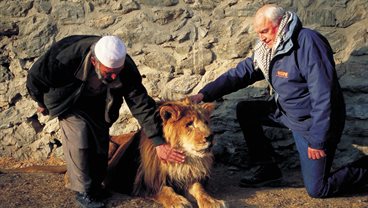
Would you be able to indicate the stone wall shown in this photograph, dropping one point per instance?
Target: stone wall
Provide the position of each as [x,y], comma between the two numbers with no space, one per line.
[179,46]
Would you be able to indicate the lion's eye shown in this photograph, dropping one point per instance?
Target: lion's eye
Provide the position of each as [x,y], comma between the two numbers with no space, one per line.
[190,123]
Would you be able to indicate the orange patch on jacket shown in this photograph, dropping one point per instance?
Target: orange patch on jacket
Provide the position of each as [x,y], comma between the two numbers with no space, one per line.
[282,74]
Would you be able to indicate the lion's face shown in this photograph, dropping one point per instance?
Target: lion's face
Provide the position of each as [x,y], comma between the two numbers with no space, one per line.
[186,127]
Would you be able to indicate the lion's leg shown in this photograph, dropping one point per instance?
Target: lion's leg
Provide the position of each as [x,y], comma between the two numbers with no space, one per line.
[204,200]
[169,198]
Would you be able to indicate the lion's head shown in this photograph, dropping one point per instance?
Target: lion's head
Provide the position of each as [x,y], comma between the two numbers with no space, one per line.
[186,126]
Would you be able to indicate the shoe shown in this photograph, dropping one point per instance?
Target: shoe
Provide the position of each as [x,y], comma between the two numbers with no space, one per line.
[86,200]
[101,193]
[265,175]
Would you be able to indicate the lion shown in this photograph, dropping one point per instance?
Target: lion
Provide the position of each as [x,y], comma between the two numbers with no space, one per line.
[186,128]
[135,168]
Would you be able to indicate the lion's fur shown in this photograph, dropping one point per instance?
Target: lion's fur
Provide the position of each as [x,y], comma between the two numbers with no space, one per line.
[186,128]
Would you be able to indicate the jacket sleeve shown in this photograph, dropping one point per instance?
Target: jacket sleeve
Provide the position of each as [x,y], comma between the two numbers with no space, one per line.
[318,68]
[142,106]
[57,66]
[36,86]
[234,79]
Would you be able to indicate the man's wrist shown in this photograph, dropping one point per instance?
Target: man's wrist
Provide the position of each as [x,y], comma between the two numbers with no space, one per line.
[158,140]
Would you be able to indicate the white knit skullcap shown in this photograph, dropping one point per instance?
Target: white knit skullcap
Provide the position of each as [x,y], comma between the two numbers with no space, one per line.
[110,51]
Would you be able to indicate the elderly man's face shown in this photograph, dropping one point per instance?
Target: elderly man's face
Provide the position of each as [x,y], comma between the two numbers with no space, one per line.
[107,74]
[265,30]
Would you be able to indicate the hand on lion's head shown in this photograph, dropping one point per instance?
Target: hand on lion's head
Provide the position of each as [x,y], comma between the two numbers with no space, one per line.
[186,126]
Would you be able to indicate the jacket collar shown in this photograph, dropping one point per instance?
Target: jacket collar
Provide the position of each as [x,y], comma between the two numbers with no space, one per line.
[293,28]
[85,67]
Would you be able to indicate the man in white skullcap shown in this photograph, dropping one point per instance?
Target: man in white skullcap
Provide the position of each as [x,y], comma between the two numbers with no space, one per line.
[83,80]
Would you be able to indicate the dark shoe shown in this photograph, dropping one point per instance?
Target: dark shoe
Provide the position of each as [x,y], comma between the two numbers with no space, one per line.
[86,200]
[264,175]
[102,193]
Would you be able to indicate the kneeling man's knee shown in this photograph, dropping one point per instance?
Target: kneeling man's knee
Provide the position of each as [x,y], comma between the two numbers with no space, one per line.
[316,191]
[243,110]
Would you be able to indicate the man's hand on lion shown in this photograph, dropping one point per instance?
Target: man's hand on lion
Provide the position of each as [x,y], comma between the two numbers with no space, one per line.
[196,98]
[168,154]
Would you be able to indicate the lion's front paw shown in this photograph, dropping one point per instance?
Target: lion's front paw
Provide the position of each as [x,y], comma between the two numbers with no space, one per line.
[169,199]
[205,202]
[180,202]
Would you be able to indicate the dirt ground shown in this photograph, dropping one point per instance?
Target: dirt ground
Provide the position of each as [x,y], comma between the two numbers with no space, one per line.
[47,190]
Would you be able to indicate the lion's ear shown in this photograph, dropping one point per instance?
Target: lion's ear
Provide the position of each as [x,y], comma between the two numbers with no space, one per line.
[186,101]
[169,112]
[208,109]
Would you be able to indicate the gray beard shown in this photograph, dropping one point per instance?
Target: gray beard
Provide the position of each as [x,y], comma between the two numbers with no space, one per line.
[99,76]
[111,83]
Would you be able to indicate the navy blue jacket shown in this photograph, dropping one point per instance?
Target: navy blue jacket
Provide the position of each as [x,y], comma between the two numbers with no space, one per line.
[302,74]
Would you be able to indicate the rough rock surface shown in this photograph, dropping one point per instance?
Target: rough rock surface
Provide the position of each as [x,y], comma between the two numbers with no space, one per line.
[179,46]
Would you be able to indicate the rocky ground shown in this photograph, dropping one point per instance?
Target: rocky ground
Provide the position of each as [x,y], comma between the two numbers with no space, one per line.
[47,190]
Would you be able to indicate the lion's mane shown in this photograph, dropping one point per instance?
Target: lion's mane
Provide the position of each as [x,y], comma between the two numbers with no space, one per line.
[152,174]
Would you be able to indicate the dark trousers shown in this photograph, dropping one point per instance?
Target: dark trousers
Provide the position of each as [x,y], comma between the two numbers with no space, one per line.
[252,116]
[317,176]
[318,180]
